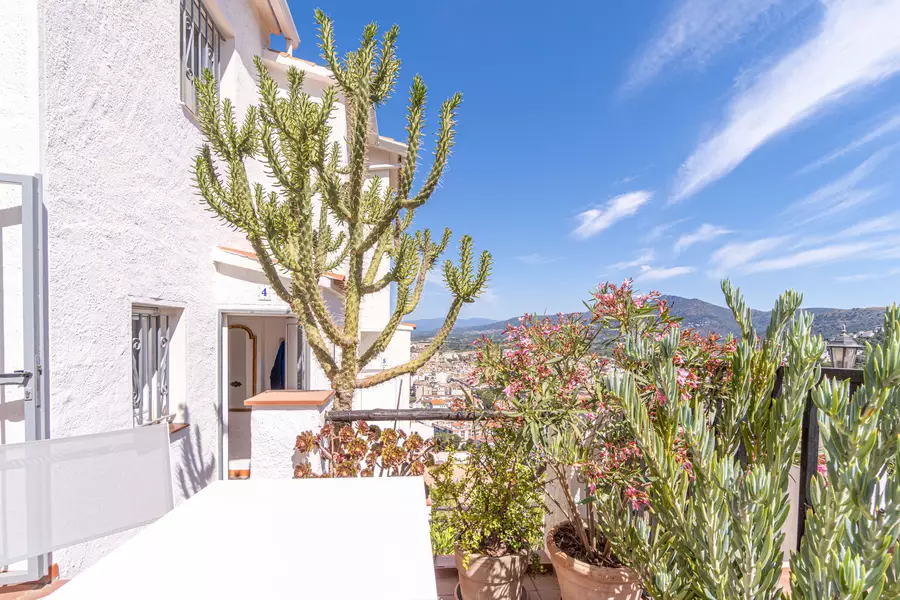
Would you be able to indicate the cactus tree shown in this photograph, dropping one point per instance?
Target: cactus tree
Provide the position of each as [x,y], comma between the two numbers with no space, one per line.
[323,212]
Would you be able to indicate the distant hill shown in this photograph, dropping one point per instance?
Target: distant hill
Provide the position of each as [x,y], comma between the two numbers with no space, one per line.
[696,314]
[432,325]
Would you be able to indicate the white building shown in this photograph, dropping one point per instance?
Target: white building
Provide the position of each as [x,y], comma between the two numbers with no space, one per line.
[153,308]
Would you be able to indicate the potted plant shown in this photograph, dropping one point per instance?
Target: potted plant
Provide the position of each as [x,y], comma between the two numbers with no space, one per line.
[718,444]
[545,373]
[361,450]
[492,500]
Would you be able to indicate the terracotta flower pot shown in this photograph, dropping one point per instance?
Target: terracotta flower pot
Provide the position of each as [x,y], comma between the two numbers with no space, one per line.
[489,578]
[581,581]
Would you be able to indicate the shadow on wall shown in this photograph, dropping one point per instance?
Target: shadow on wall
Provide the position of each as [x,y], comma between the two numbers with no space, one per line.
[194,472]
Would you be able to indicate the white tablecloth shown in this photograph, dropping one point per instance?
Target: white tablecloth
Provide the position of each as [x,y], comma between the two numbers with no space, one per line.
[274,539]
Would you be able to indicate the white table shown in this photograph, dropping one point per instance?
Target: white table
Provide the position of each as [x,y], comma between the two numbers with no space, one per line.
[273,539]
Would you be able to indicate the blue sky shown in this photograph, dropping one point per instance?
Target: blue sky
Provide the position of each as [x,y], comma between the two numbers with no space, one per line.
[675,142]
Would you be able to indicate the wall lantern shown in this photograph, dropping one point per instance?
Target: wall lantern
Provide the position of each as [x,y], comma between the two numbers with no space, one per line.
[843,350]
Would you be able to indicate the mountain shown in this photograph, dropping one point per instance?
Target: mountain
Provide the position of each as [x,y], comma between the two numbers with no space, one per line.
[695,313]
[432,325]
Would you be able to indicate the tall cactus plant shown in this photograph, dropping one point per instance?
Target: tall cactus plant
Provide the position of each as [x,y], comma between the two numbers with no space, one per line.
[323,212]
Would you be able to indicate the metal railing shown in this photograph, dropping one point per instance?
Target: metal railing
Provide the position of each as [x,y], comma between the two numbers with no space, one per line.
[809,441]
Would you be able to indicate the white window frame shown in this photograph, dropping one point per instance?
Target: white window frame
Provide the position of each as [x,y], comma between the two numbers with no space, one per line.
[201,48]
[151,335]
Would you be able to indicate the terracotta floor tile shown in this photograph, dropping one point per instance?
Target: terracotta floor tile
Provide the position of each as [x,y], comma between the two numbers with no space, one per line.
[30,591]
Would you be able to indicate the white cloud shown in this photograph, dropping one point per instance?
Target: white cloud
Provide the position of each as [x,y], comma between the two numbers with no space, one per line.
[832,192]
[732,257]
[489,296]
[888,250]
[704,233]
[883,224]
[535,259]
[595,220]
[625,180]
[844,192]
[658,231]
[695,31]
[855,278]
[889,222]
[659,273]
[435,277]
[643,258]
[889,126]
[856,45]
[817,256]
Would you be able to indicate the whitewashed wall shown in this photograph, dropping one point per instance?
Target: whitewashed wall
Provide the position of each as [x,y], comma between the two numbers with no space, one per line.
[275,432]
[125,225]
[91,100]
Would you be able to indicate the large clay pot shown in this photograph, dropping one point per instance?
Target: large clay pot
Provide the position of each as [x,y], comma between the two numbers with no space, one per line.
[489,578]
[581,581]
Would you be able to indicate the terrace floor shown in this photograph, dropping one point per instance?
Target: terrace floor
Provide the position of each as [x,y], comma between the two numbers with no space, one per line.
[540,587]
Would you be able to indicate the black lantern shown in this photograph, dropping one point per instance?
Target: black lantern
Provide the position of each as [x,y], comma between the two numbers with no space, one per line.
[843,350]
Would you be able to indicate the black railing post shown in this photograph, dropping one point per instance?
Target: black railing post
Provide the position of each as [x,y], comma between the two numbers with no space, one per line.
[809,462]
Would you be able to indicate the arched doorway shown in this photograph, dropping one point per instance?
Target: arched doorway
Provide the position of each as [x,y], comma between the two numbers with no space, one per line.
[242,384]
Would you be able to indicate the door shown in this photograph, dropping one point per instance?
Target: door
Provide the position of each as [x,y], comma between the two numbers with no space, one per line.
[23,329]
[242,384]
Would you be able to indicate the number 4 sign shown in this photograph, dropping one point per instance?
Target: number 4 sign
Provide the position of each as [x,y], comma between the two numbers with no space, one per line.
[265,294]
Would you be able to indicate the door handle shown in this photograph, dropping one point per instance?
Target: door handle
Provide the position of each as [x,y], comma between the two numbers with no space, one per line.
[15,378]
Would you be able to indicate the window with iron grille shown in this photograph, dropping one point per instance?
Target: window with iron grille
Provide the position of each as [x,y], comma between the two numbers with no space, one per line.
[149,365]
[201,46]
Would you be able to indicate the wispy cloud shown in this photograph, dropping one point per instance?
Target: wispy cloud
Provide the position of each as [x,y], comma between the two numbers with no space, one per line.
[435,278]
[536,259]
[856,45]
[704,233]
[855,278]
[816,256]
[645,257]
[889,222]
[595,220]
[693,33]
[732,257]
[661,229]
[886,127]
[659,273]
[844,192]
[625,180]
[883,224]
[866,276]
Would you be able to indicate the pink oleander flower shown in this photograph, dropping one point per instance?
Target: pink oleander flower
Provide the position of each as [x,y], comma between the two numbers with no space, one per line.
[660,397]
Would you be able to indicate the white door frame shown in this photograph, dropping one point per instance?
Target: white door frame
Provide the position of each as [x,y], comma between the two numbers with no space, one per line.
[224,313]
[35,377]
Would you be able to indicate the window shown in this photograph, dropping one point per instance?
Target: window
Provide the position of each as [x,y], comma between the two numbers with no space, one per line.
[201,45]
[150,336]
